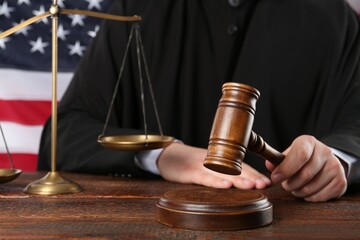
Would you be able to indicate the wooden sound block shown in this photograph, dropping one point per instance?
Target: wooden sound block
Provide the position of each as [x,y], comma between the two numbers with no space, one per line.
[214,209]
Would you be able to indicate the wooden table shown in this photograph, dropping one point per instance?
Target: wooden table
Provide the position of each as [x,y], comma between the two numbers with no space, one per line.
[119,208]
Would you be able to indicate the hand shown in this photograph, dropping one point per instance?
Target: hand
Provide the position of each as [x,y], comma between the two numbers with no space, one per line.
[184,164]
[310,171]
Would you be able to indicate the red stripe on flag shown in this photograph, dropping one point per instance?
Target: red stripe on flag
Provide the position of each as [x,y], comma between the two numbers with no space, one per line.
[23,161]
[25,112]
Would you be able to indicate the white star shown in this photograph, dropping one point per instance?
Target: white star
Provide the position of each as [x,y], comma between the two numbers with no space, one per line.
[62,32]
[60,3]
[38,45]
[27,2]
[76,49]
[94,4]
[24,30]
[3,41]
[41,11]
[77,20]
[5,9]
[93,33]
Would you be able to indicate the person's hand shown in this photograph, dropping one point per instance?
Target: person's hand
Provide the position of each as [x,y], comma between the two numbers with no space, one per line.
[310,171]
[184,164]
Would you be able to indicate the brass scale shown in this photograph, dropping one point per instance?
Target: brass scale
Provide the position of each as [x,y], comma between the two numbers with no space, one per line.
[53,183]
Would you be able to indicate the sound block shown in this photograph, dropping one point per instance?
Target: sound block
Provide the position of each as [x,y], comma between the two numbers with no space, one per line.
[214,209]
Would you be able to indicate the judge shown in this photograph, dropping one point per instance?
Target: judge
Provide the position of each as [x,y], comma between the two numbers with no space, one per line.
[302,55]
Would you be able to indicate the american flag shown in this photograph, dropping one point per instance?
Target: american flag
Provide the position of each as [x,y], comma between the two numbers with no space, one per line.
[25,70]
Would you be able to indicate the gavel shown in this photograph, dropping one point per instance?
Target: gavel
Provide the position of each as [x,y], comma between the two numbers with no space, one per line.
[231,134]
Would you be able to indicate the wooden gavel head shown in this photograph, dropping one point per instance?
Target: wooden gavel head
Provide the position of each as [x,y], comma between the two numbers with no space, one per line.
[231,128]
[232,134]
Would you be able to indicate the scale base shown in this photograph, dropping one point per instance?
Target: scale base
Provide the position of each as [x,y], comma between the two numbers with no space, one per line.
[53,183]
[214,209]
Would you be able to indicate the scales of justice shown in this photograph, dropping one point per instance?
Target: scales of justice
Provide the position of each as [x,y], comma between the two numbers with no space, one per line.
[53,182]
[231,137]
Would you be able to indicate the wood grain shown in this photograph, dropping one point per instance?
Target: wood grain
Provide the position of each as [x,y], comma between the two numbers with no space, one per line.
[121,208]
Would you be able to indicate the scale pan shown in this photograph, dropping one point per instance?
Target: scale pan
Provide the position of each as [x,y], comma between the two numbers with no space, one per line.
[135,142]
[7,175]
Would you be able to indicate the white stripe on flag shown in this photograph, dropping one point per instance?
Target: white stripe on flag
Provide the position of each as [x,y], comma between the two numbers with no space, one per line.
[28,86]
[18,84]
[21,138]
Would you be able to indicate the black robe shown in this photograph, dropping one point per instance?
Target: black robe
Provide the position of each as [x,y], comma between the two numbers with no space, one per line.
[302,55]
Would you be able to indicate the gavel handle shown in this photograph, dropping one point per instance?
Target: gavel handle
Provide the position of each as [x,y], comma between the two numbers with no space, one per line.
[259,146]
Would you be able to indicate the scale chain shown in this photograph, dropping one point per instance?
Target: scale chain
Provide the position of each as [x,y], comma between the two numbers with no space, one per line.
[6,147]
[118,81]
[142,96]
[149,82]
[140,56]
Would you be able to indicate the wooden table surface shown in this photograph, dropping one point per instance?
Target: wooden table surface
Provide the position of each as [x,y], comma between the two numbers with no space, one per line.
[119,208]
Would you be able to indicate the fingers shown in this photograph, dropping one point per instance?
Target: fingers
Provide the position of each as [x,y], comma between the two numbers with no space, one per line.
[329,183]
[299,153]
[322,192]
[249,179]
[319,159]
[206,178]
[335,189]
[311,171]
[269,166]
[250,176]
[184,164]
